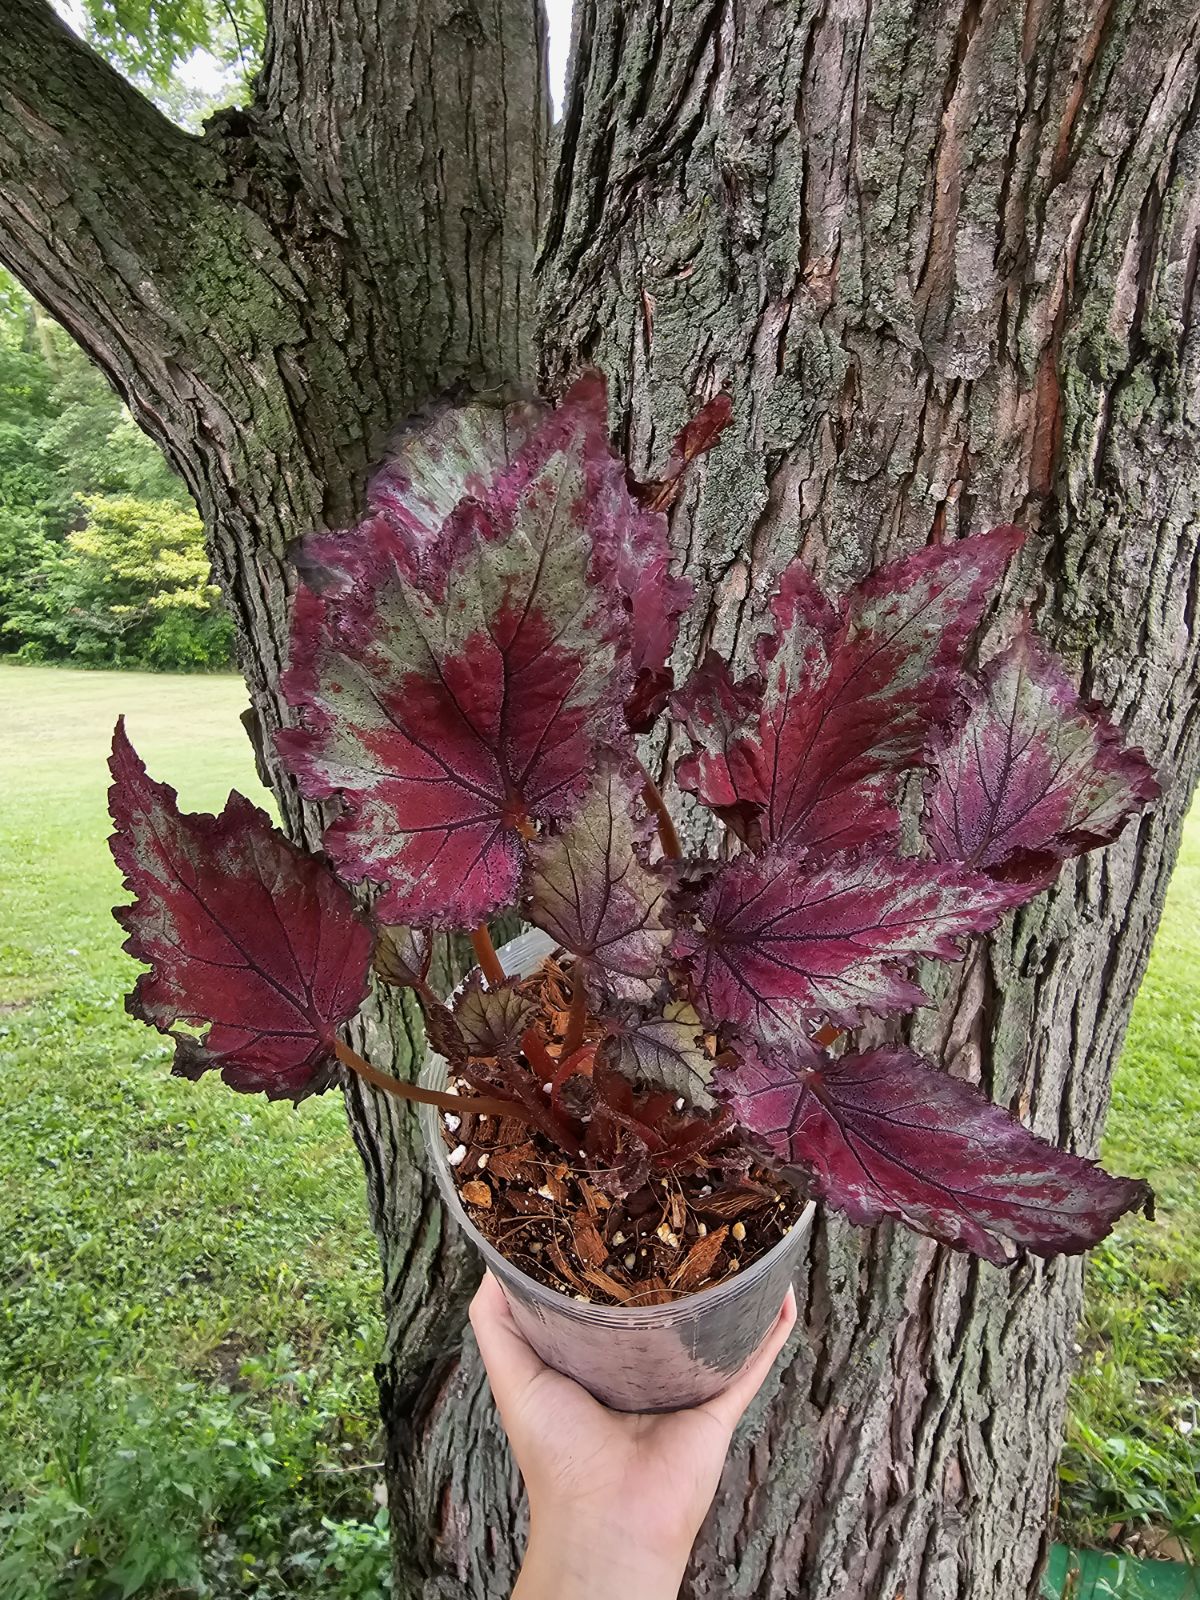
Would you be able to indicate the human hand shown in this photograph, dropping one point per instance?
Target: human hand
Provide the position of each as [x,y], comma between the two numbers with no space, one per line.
[616,1499]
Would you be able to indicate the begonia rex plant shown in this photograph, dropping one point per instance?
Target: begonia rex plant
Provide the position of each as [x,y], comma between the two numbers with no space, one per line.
[470,667]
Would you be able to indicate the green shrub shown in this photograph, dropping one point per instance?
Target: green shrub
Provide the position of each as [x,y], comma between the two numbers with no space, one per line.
[211,1492]
[102,559]
[132,587]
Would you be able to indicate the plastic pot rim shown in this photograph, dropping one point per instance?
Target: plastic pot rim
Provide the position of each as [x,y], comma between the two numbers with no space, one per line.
[435,1076]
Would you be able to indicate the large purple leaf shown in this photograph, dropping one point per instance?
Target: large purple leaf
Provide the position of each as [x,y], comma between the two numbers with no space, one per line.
[458,450]
[887,1135]
[783,939]
[454,681]
[1033,774]
[591,891]
[850,698]
[246,937]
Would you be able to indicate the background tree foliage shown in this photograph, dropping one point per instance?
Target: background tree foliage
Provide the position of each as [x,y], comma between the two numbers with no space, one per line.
[150,40]
[102,558]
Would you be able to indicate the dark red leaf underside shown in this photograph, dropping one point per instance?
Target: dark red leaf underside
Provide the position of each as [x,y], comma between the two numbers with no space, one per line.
[850,697]
[886,1135]
[656,600]
[1033,775]
[784,940]
[247,938]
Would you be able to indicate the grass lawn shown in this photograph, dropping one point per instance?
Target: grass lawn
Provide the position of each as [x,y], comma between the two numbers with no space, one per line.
[1132,1453]
[188,1282]
[187,1278]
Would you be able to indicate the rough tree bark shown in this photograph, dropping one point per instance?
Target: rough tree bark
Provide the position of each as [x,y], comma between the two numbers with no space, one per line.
[944,255]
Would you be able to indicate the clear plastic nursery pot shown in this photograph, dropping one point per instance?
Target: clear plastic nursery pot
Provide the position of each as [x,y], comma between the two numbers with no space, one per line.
[649,1358]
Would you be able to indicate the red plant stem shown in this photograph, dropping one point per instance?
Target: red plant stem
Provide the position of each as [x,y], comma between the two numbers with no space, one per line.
[578,1064]
[538,1056]
[677,1154]
[581,1061]
[559,1132]
[668,837]
[653,1140]
[479,1105]
[485,954]
[541,1114]
[576,1017]
[532,1043]
[489,963]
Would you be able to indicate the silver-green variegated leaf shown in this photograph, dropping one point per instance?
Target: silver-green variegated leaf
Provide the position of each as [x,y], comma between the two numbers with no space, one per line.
[663,1046]
[1033,774]
[444,457]
[454,679]
[590,889]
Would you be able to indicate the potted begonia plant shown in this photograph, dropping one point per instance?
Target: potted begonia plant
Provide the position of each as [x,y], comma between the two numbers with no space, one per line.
[633,1109]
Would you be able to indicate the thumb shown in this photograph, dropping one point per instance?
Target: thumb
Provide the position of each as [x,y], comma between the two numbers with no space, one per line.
[510,1362]
[727,1408]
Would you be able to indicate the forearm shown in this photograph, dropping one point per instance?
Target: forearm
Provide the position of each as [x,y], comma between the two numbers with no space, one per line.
[562,1565]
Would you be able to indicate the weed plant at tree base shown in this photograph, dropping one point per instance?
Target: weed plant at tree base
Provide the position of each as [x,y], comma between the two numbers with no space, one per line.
[469,667]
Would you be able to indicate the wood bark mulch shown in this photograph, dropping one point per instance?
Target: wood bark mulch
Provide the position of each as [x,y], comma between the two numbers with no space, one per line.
[674,1235]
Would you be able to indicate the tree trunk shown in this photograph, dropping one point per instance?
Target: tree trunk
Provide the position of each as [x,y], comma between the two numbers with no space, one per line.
[944,256]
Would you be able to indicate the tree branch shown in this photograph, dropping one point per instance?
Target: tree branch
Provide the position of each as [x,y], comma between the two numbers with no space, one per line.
[91,179]
[419,127]
[178,264]
[289,286]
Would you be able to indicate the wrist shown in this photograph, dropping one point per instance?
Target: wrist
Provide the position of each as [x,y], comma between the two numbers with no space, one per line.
[584,1558]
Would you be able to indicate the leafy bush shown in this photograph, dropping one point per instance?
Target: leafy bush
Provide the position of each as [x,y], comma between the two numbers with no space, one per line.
[212,1493]
[129,588]
[102,559]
